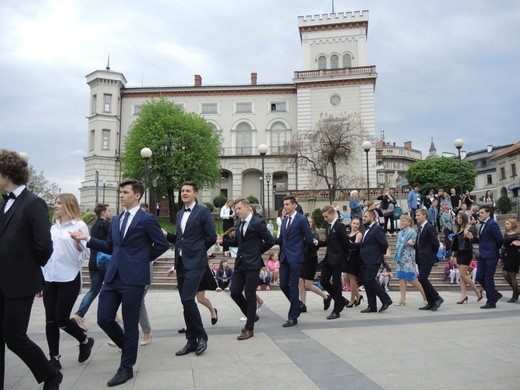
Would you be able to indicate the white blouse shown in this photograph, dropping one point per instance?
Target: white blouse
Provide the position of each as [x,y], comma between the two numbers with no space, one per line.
[65,262]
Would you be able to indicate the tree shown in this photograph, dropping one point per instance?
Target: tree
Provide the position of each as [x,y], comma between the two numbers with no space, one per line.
[40,186]
[327,150]
[441,172]
[184,147]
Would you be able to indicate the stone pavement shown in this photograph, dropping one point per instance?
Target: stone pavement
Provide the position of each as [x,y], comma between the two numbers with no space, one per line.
[459,347]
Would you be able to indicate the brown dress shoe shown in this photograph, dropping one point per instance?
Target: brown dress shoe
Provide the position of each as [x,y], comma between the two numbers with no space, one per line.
[246,334]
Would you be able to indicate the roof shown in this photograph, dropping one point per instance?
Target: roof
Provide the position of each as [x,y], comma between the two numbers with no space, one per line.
[510,150]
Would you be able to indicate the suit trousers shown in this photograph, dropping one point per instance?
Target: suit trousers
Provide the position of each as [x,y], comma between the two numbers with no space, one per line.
[372,287]
[188,282]
[486,278]
[14,317]
[245,280]
[334,289]
[425,268]
[289,279]
[113,295]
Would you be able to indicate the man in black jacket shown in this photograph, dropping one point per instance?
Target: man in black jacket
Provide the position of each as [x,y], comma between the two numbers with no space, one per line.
[252,239]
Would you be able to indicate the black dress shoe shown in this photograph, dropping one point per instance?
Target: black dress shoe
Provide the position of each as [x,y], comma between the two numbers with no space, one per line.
[499,297]
[189,347]
[385,306]
[214,320]
[121,377]
[489,306]
[326,303]
[85,350]
[183,330]
[426,307]
[290,323]
[53,382]
[369,310]
[437,304]
[303,308]
[333,316]
[201,347]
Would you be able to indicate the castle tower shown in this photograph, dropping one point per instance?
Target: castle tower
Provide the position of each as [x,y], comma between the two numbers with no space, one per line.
[337,80]
[104,141]
[432,153]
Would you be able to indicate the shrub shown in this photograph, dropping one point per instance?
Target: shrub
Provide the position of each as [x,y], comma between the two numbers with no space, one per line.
[219,201]
[87,217]
[318,218]
[209,206]
[504,204]
[252,199]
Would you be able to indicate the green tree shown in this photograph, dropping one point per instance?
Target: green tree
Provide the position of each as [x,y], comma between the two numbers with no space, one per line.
[441,172]
[42,187]
[184,147]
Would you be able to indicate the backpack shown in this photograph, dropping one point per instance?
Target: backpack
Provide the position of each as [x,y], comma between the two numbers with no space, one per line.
[398,212]
[102,261]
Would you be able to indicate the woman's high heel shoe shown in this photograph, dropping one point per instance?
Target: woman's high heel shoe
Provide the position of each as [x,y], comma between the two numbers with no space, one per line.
[400,303]
[480,295]
[464,300]
[358,301]
[214,320]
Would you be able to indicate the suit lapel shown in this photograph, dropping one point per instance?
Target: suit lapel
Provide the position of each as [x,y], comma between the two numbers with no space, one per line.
[6,218]
[133,224]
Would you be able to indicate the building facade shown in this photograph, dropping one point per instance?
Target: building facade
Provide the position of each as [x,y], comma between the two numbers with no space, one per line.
[392,163]
[336,80]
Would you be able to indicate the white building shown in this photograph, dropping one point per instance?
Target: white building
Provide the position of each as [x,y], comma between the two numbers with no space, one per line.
[336,79]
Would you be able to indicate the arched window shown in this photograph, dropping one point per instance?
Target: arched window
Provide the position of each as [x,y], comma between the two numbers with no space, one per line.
[334,61]
[347,61]
[322,62]
[278,137]
[244,138]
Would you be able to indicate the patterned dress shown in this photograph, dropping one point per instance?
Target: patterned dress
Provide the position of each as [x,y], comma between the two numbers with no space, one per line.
[405,255]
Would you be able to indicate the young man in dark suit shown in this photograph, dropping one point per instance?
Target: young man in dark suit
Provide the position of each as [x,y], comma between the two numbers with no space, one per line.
[337,243]
[490,239]
[135,239]
[195,234]
[426,247]
[25,247]
[295,233]
[252,239]
[373,250]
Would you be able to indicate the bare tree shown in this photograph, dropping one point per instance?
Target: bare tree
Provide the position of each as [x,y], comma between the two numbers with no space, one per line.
[327,150]
[41,186]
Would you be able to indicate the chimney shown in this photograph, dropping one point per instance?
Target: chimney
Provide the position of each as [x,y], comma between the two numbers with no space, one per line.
[489,148]
[254,77]
[408,145]
[198,80]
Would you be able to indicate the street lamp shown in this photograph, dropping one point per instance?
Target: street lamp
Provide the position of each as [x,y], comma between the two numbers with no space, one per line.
[458,144]
[97,186]
[366,145]
[268,180]
[146,153]
[104,184]
[262,149]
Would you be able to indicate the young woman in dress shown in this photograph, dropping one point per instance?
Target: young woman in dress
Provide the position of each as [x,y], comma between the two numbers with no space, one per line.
[462,251]
[511,256]
[353,264]
[405,259]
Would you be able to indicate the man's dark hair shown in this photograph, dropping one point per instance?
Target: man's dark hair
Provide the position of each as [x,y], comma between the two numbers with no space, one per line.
[290,198]
[14,167]
[191,184]
[487,208]
[137,186]
[98,210]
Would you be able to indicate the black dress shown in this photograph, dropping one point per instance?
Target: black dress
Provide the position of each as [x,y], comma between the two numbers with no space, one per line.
[463,247]
[512,253]
[310,266]
[353,264]
[208,281]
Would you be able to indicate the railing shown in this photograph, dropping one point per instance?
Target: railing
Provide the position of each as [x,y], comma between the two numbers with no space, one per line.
[251,151]
[344,194]
[360,70]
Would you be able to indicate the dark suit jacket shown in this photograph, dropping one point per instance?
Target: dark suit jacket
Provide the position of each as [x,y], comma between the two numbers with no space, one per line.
[25,245]
[196,239]
[337,243]
[144,242]
[292,243]
[256,241]
[373,246]
[490,240]
[427,244]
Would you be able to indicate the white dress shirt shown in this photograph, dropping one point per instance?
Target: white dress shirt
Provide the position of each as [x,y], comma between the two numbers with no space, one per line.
[133,211]
[9,203]
[245,224]
[65,262]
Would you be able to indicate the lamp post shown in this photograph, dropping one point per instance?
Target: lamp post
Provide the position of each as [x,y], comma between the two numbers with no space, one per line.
[268,180]
[458,144]
[146,153]
[104,184]
[262,150]
[97,186]
[367,145]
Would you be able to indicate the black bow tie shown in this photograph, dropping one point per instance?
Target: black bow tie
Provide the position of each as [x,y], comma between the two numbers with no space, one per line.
[187,210]
[10,196]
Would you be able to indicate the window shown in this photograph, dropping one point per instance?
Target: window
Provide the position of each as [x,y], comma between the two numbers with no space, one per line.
[244,108]
[92,140]
[279,107]
[105,139]
[244,138]
[278,136]
[322,62]
[513,170]
[209,108]
[107,102]
[502,173]
[489,179]
[335,100]
[334,61]
[347,61]
[93,104]
[137,109]
[483,163]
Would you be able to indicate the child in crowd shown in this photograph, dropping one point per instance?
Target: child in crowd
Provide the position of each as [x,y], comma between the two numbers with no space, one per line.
[472,270]
[433,212]
[224,275]
[451,271]
[264,279]
[384,275]
[273,266]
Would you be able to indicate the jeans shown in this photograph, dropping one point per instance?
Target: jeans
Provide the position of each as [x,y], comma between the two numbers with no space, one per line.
[96,281]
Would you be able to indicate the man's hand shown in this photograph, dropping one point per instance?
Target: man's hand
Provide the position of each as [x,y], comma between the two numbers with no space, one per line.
[78,235]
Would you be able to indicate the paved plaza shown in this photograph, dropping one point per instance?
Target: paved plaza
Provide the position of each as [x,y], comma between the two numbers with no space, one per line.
[458,347]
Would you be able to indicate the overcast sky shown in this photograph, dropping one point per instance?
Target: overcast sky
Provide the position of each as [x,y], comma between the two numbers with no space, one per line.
[446,69]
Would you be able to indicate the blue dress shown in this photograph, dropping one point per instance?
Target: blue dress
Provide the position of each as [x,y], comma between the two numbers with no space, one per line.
[405,255]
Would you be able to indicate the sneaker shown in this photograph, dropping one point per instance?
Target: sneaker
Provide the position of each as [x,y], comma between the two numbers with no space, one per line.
[259,288]
[226,289]
[243,319]
[55,362]
[218,289]
[267,288]
[85,350]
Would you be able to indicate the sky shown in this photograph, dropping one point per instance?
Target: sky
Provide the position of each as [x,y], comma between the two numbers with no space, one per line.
[446,69]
